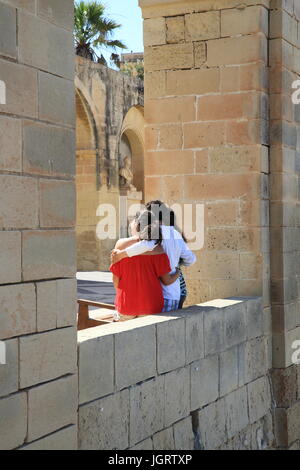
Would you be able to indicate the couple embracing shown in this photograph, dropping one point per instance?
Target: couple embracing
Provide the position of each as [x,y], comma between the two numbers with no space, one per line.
[146,266]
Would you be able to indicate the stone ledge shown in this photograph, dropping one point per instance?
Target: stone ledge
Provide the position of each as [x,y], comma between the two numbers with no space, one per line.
[116,328]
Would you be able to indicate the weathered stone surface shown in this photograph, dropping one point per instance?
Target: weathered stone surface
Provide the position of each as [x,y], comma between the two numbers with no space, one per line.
[96,367]
[259,398]
[213,331]
[21,89]
[10,257]
[152,9]
[11,144]
[130,345]
[46,305]
[200,53]
[241,441]
[8,28]
[244,21]
[188,82]
[66,302]
[263,433]
[24,4]
[18,310]
[48,150]
[254,318]
[19,202]
[46,356]
[51,107]
[52,212]
[66,439]
[295,446]
[147,444]
[155,84]
[252,360]
[169,56]
[236,411]
[204,381]
[171,110]
[13,412]
[177,395]
[48,254]
[285,387]
[238,50]
[52,406]
[202,26]
[146,409]
[212,425]
[234,325]
[194,337]
[9,372]
[158,163]
[228,371]
[59,12]
[154,32]
[101,427]
[39,43]
[170,345]
[175,29]
[183,434]
[164,440]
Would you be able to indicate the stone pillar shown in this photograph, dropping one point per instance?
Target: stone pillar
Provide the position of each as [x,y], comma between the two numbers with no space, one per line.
[206,108]
[285,215]
[208,117]
[38,383]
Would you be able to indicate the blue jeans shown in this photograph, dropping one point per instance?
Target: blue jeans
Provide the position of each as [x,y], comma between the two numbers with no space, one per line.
[170,305]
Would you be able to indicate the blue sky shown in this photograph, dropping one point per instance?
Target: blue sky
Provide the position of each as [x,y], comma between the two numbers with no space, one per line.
[127,13]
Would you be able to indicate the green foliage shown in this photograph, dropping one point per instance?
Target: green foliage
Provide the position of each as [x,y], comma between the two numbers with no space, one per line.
[133,69]
[94,31]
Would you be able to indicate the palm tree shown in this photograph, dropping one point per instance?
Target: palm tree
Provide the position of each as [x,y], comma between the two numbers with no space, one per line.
[93,30]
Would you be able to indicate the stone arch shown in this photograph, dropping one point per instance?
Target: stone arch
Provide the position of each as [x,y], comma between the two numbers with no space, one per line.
[85,137]
[87,178]
[132,136]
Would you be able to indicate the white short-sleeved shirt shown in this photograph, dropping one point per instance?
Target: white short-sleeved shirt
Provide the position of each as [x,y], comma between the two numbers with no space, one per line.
[176,248]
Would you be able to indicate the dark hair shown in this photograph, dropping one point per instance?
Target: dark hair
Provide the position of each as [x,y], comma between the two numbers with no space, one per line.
[148,227]
[164,214]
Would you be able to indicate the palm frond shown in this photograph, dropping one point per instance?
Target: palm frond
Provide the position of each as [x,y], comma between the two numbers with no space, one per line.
[93,29]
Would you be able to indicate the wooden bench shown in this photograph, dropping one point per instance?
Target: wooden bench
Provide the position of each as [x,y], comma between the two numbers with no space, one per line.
[84,320]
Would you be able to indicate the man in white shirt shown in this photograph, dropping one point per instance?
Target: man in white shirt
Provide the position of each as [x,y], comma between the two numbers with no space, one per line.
[174,246]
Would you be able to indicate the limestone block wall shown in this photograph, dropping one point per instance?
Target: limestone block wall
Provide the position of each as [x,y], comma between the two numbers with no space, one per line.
[198,379]
[38,383]
[206,109]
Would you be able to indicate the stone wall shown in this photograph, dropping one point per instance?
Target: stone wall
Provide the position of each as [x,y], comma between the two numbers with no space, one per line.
[218,104]
[197,379]
[38,383]
[206,108]
[284,59]
[104,99]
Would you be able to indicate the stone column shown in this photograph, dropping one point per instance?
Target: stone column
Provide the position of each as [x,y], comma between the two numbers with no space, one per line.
[38,383]
[206,108]
[284,59]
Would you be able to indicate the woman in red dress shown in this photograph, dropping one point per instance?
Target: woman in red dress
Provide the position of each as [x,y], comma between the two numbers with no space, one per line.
[138,279]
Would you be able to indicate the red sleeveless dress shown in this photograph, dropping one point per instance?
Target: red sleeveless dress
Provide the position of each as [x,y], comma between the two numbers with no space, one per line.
[140,291]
